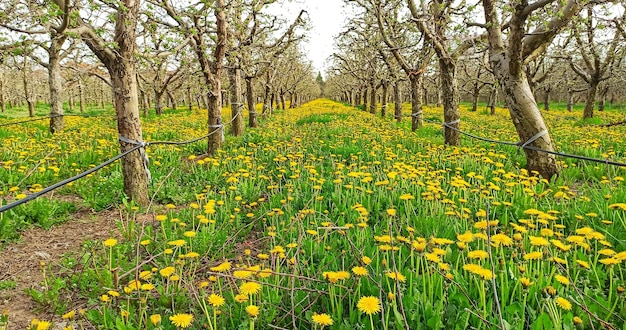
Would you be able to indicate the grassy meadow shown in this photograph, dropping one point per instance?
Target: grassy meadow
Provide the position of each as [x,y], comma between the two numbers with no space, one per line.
[327,217]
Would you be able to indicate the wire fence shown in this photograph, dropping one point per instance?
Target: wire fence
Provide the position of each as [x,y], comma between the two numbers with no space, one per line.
[138,146]
[44,118]
[527,145]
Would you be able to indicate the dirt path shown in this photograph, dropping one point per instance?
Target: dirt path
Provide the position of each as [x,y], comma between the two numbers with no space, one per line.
[21,261]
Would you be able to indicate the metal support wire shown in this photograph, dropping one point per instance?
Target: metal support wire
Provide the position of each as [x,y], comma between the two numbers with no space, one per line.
[138,146]
[529,147]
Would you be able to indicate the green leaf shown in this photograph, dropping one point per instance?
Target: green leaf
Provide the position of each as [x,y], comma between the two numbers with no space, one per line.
[543,322]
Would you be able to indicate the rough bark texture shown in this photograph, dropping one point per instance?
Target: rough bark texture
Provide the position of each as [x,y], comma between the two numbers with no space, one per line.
[397,100]
[383,99]
[451,112]
[493,99]
[526,118]
[28,93]
[81,95]
[158,104]
[252,119]
[546,98]
[590,103]
[365,94]
[3,106]
[121,66]
[373,99]
[55,84]
[236,101]
[417,120]
[570,100]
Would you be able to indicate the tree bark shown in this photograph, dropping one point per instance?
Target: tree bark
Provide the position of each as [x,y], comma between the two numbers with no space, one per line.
[373,98]
[493,99]
[252,119]
[365,91]
[526,118]
[28,93]
[602,102]
[383,99]
[158,105]
[397,100]
[451,113]
[121,66]
[236,103]
[55,84]
[591,100]
[3,106]
[416,101]
[570,99]
[546,98]
[81,95]
[172,99]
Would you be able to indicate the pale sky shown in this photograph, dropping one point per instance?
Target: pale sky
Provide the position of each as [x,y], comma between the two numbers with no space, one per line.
[326,17]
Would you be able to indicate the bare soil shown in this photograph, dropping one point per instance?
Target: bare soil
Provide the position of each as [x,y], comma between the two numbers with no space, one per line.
[21,261]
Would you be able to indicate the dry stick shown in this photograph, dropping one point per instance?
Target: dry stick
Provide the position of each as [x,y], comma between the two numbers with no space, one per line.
[493,271]
[395,269]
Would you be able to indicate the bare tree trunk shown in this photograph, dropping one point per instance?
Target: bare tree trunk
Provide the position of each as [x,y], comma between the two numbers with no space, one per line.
[55,85]
[397,100]
[102,95]
[272,100]
[252,120]
[282,100]
[546,98]
[601,103]
[475,95]
[3,106]
[570,99]
[493,99]
[365,91]
[416,101]
[383,99]
[236,103]
[526,118]
[70,101]
[81,95]
[28,93]
[124,83]
[591,100]
[171,99]
[451,113]
[158,105]
[373,98]
[189,98]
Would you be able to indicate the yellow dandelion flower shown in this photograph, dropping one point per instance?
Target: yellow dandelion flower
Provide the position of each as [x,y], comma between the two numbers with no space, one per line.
[178,243]
[538,241]
[240,298]
[501,239]
[359,271]
[583,264]
[366,260]
[533,255]
[477,254]
[322,319]
[369,305]
[578,320]
[43,325]
[155,319]
[224,266]
[182,320]
[563,303]
[111,242]
[167,271]
[562,279]
[252,310]
[525,282]
[69,315]
[467,237]
[396,276]
[216,300]
[250,288]
[609,261]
